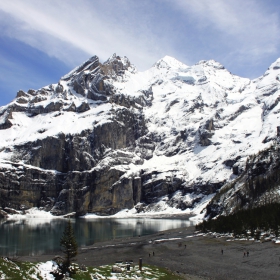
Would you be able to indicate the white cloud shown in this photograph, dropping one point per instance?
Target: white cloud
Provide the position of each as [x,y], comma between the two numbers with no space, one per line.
[248,26]
[226,30]
[61,28]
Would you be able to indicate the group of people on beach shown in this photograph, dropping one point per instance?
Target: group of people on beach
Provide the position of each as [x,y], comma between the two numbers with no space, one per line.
[244,255]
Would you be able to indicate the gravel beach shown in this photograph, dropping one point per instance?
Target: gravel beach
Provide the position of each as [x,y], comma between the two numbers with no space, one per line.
[192,257]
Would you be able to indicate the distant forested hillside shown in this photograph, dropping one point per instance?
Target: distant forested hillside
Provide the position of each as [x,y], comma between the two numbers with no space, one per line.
[246,222]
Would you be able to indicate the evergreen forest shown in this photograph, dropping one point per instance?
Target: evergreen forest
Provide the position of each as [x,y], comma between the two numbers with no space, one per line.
[249,222]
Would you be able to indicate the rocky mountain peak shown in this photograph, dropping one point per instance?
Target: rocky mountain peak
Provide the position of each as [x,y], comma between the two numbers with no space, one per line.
[211,63]
[275,65]
[90,65]
[116,66]
[169,62]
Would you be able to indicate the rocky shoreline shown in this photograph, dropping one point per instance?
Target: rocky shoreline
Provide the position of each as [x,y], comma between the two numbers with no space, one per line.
[187,253]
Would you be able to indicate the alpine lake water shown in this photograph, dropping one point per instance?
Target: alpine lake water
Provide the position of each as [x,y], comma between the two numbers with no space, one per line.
[39,236]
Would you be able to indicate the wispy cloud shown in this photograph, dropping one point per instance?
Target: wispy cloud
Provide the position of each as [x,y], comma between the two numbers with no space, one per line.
[229,31]
[250,28]
[61,28]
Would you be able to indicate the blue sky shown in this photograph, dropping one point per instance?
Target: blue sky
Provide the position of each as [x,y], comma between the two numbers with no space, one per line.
[40,40]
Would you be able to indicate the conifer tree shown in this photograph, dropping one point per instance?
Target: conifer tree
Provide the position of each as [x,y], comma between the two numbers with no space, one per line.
[68,245]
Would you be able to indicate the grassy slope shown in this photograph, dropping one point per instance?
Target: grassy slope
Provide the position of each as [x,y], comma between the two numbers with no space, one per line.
[25,270]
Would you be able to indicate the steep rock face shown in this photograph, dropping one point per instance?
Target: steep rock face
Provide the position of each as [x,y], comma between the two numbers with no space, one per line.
[70,164]
[107,137]
[61,193]
[257,185]
[79,152]
[23,187]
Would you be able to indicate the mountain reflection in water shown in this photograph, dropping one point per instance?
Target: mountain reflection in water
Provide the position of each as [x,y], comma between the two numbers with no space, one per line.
[38,236]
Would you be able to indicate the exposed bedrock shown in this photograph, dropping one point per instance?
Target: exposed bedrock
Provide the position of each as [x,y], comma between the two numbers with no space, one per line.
[102,192]
[75,172]
[95,192]
[82,151]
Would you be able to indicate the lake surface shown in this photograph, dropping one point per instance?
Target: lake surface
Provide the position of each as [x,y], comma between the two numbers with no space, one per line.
[38,236]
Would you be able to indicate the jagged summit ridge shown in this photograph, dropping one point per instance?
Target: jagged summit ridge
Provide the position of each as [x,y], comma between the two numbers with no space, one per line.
[89,65]
[76,91]
[211,63]
[107,137]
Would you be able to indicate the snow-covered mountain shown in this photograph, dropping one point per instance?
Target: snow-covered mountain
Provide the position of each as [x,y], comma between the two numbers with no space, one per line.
[107,137]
